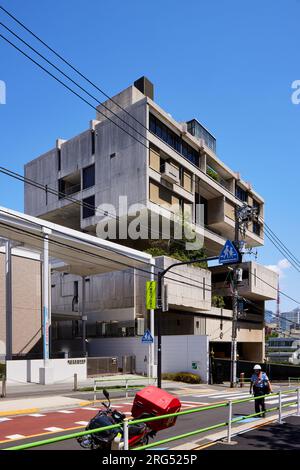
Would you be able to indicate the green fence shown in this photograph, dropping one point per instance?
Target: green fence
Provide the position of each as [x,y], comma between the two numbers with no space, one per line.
[228,423]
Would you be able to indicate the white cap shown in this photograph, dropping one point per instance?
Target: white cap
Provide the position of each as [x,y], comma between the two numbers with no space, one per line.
[257,367]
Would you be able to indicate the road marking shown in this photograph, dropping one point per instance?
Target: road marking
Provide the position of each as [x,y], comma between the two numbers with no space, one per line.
[15,436]
[36,415]
[65,411]
[271,402]
[53,429]
[82,423]
[229,395]
[5,419]
[90,409]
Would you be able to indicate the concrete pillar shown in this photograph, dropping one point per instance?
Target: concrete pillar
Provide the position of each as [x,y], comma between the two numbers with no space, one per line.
[46,372]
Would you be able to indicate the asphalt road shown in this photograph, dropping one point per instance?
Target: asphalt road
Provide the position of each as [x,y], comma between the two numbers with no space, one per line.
[61,422]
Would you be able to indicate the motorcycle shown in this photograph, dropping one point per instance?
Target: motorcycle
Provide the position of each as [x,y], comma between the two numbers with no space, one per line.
[139,434]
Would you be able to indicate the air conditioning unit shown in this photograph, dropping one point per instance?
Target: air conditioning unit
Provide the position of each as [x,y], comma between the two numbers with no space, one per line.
[171,173]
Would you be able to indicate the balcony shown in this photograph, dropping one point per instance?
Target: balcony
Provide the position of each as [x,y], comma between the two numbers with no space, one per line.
[259,283]
[69,185]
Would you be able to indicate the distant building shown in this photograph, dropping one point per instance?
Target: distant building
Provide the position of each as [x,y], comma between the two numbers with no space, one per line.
[284,350]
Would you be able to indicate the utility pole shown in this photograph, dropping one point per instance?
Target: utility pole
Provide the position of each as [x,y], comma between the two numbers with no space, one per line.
[235,296]
[243,215]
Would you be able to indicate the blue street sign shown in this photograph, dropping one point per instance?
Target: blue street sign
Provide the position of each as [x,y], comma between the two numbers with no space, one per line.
[147,337]
[229,254]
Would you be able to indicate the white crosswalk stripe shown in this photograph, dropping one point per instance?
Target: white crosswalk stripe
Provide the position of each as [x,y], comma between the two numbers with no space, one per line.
[36,415]
[15,436]
[273,401]
[4,419]
[82,423]
[53,429]
[65,411]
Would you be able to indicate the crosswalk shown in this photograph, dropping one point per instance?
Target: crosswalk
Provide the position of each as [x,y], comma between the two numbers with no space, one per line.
[272,400]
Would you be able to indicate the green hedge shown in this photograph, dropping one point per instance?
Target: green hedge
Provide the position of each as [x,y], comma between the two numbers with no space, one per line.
[186,377]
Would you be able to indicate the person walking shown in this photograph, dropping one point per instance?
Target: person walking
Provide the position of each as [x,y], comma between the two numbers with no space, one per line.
[260,385]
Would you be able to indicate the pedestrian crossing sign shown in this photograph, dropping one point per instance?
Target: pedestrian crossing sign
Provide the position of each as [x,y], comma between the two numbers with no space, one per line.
[147,337]
[229,254]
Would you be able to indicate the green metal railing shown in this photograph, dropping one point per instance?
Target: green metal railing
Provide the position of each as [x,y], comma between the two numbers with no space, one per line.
[126,384]
[228,422]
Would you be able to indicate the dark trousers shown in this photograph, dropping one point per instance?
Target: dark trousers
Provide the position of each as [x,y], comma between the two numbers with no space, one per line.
[260,406]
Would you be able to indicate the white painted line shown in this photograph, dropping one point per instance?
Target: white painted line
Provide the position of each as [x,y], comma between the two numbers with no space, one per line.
[36,415]
[275,400]
[82,423]
[90,408]
[53,429]
[128,413]
[15,436]
[233,395]
[5,419]
[67,412]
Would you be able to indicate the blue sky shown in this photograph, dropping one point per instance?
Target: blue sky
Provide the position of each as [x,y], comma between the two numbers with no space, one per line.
[229,64]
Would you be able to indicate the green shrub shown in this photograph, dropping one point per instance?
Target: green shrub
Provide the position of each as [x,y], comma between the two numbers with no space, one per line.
[2,369]
[186,377]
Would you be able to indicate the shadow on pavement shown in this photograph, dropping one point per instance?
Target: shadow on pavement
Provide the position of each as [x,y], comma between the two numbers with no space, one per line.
[275,436]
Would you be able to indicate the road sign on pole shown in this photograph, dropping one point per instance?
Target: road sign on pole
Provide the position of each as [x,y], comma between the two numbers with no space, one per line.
[147,337]
[229,254]
[151,295]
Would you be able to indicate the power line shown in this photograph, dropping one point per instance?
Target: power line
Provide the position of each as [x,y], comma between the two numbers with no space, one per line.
[286,252]
[53,191]
[71,66]
[35,236]
[71,89]
[69,78]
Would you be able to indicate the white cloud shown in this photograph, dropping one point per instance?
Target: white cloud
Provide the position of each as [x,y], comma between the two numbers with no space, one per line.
[280,267]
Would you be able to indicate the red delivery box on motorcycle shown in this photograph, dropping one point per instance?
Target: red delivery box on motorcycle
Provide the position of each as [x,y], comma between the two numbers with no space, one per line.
[155,402]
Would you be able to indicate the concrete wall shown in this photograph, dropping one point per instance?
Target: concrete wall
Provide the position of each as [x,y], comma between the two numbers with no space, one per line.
[28,370]
[179,352]
[26,290]
[193,297]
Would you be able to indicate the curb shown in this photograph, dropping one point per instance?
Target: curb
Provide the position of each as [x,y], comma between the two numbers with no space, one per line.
[38,410]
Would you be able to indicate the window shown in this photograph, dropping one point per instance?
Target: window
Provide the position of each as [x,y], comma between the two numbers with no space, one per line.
[69,185]
[58,159]
[93,137]
[196,129]
[88,209]
[241,194]
[172,139]
[88,177]
[256,228]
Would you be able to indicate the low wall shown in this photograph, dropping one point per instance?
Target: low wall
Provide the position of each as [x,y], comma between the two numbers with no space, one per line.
[22,371]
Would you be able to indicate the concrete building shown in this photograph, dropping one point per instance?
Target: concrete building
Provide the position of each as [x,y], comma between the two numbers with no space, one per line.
[159,164]
[284,350]
[26,304]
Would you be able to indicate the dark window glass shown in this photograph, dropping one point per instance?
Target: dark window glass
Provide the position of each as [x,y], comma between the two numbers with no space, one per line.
[88,177]
[172,139]
[241,194]
[88,209]
[58,159]
[93,138]
[256,228]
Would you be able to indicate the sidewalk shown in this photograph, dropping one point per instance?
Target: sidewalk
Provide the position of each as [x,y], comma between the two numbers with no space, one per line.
[275,436]
[46,397]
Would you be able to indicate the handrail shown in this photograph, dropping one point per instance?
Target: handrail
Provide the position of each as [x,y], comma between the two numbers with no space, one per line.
[169,415]
[62,438]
